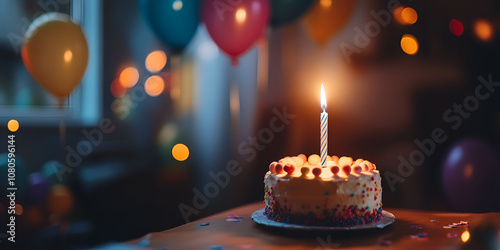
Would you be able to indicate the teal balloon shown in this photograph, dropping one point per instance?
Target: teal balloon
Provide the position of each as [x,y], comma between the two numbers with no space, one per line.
[21,176]
[287,11]
[173,21]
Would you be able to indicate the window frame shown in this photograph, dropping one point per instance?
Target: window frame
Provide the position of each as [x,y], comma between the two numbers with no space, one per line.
[83,107]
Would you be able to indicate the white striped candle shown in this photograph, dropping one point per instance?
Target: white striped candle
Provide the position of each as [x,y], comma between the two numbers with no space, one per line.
[324,129]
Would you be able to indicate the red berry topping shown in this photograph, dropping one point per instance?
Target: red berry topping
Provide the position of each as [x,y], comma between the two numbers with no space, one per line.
[364,167]
[272,167]
[279,168]
[370,165]
[316,171]
[346,169]
[357,169]
[289,168]
[335,169]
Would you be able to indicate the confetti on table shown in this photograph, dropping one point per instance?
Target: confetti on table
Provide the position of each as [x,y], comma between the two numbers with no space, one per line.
[216,247]
[422,235]
[143,243]
[386,243]
[415,227]
[205,224]
[452,235]
[233,220]
[454,225]
[434,221]
[235,217]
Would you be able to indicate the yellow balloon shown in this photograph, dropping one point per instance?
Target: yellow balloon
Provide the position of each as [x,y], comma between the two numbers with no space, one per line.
[55,53]
[327,17]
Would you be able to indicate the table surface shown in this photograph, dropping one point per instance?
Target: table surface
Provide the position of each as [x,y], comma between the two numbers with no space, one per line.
[413,229]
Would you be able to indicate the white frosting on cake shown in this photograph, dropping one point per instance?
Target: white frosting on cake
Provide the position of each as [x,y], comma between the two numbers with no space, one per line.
[304,194]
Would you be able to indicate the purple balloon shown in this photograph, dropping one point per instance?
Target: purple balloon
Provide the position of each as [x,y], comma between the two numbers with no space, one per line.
[470,176]
[38,186]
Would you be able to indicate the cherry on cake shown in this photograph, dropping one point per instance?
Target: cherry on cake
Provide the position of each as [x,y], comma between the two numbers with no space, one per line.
[299,190]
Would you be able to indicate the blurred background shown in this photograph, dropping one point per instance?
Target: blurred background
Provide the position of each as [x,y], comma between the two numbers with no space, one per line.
[174,91]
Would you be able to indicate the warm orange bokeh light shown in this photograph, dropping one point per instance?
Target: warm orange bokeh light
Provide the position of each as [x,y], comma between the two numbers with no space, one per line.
[34,216]
[409,15]
[13,125]
[60,200]
[465,236]
[241,15]
[18,209]
[117,90]
[154,86]
[155,61]
[396,13]
[68,55]
[180,152]
[129,77]
[325,3]
[483,30]
[409,44]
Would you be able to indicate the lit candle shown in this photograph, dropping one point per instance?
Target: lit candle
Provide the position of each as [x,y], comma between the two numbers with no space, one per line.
[324,128]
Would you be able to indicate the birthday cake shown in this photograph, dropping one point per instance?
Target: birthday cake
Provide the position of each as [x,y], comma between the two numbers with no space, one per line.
[299,190]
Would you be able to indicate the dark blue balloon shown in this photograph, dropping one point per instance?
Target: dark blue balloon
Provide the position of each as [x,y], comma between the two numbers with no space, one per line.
[470,176]
[286,11]
[173,21]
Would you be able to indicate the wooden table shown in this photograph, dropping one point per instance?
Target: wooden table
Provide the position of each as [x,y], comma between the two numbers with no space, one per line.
[412,229]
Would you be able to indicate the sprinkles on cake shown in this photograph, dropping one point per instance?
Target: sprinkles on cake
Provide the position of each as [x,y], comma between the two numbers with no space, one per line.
[298,177]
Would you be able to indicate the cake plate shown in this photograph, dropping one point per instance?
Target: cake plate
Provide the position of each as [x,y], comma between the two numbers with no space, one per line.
[259,218]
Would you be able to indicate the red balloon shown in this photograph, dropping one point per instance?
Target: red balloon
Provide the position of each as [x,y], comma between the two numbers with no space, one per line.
[234,25]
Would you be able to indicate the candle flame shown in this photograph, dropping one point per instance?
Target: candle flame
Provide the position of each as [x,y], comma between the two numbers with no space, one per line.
[323,98]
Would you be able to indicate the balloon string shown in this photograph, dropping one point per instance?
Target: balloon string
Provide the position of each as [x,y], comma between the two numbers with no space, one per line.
[62,137]
[60,103]
[234,61]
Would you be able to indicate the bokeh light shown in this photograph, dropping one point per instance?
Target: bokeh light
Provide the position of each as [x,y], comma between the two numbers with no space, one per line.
[409,44]
[68,55]
[396,13]
[177,5]
[13,125]
[465,236]
[34,216]
[18,209]
[154,86]
[117,90]
[129,77]
[60,200]
[483,30]
[155,61]
[456,27]
[325,3]
[409,15]
[180,152]
[241,15]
